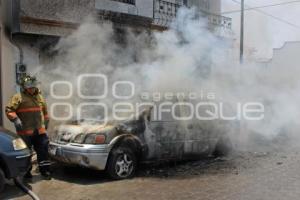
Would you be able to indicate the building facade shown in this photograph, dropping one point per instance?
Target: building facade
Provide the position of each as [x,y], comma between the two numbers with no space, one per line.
[211,6]
[29,28]
[166,10]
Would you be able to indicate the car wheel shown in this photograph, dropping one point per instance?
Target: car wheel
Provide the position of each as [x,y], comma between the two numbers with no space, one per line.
[223,147]
[122,163]
[2,180]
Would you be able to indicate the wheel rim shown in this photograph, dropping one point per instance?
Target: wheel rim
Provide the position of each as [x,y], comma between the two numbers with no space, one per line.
[124,165]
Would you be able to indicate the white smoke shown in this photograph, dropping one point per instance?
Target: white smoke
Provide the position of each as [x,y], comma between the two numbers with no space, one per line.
[169,61]
[176,60]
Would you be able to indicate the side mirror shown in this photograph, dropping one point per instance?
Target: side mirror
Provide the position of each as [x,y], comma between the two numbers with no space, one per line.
[146,114]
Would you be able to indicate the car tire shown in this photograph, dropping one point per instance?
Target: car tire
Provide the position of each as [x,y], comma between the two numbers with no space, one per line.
[122,163]
[2,180]
[224,147]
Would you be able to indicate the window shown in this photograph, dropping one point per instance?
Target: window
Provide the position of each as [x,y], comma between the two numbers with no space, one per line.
[126,1]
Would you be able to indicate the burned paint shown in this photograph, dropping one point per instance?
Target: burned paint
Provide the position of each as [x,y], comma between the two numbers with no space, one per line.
[161,140]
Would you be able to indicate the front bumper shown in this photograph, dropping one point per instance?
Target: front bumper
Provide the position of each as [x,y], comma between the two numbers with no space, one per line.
[17,163]
[90,156]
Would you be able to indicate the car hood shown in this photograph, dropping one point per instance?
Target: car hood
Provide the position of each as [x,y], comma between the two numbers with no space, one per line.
[76,133]
[9,134]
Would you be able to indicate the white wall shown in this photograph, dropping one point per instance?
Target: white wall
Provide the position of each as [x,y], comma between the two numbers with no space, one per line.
[8,71]
[8,77]
[10,56]
[286,57]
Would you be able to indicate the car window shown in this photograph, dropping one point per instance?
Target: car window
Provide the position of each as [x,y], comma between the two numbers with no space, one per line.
[165,111]
[186,110]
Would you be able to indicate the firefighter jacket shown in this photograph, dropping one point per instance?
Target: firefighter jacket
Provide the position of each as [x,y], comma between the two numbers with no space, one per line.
[32,111]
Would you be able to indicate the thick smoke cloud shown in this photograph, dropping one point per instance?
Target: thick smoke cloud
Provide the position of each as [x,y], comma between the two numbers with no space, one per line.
[186,58]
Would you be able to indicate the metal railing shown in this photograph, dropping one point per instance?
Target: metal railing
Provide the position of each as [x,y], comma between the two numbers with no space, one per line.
[126,1]
[218,20]
[165,12]
[125,19]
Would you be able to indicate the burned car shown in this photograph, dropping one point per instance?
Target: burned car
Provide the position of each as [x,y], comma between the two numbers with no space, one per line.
[118,147]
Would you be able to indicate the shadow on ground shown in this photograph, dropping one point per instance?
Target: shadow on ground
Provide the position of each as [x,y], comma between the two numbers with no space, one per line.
[83,176]
[170,170]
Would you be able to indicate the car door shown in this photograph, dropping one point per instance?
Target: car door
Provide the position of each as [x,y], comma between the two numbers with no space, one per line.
[196,132]
[168,135]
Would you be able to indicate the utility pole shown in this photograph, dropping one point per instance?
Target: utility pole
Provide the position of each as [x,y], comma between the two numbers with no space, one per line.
[240,122]
[242,32]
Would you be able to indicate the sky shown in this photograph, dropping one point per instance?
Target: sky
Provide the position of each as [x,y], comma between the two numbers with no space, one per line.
[263,33]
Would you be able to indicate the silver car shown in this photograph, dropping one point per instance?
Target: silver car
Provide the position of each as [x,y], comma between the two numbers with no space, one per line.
[118,147]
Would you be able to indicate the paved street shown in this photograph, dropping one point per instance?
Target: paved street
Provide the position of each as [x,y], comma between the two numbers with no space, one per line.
[114,82]
[255,176]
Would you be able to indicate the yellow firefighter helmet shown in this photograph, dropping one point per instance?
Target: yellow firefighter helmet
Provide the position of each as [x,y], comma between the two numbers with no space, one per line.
[29,82]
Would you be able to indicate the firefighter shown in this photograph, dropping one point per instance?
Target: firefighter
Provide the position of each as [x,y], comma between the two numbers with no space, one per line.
[28,111]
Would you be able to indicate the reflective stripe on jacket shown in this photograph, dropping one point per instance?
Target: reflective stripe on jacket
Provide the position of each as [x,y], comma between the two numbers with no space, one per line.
[32,111]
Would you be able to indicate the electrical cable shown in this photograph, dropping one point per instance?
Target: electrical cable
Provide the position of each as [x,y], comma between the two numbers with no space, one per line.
[259,7]
[272,16]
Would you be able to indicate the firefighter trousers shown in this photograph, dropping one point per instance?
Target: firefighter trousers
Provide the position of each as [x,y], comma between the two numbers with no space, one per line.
[40,143]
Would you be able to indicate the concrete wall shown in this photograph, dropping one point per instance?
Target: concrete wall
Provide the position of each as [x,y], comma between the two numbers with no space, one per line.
[76,10]
[8,55]
[142,8]
[287,56]
[60,10]
[212,6]
[61,17]
[50,17]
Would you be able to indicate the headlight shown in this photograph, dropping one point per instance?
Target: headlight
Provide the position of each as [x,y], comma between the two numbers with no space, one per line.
[79,138]
[19,144]
[94,139]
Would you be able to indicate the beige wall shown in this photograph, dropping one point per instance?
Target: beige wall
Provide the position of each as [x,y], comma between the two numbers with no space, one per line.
[8,71]
[10,56]
[8,76]
[287,56]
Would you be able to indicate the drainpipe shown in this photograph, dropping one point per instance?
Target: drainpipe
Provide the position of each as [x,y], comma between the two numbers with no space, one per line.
[15,15]
[20,68]
[21,58]
[21,53]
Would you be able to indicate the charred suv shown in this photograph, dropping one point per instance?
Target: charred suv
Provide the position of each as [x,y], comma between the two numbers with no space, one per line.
[118,147]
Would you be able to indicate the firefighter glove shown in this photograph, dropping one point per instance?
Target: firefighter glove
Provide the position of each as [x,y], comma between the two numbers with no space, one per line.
[18,124]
